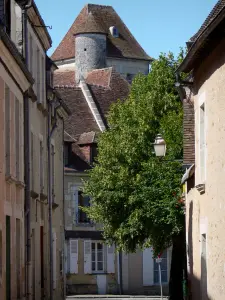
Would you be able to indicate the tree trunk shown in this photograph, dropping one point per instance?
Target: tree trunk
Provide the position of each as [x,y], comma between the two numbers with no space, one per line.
[178,267]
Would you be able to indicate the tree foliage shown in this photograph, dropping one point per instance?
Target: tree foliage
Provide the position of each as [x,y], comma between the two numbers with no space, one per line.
[135,195]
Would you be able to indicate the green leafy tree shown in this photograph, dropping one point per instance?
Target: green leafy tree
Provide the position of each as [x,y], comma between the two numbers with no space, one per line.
[135,195]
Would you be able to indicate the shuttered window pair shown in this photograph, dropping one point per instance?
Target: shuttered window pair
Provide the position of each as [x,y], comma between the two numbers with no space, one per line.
[94,257]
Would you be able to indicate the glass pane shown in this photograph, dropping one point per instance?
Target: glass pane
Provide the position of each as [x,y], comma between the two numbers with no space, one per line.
[93,256]
[156,277]
[164,276]
[100,256]
[93,266]
[93,246]
[100,266]
[164,265]
[100,246]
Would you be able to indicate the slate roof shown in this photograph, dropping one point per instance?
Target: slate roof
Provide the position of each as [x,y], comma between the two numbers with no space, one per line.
[219,6]
[100,20]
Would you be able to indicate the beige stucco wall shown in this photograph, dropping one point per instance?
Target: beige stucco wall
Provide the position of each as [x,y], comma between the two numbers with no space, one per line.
[11,192]
[205,213]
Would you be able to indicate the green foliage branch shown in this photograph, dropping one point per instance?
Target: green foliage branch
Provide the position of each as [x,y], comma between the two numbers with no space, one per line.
[135,195]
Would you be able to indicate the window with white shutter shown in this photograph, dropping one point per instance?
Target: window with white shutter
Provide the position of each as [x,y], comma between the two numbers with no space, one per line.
[202,144]
[111,259]
[87,257]
[73,256]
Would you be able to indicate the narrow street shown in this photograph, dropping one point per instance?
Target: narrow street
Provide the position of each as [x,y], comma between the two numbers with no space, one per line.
[114,297]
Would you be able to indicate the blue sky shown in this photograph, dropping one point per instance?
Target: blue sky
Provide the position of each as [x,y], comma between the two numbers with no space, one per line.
[158,25]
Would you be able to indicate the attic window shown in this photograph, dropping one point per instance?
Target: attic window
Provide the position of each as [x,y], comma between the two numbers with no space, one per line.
[114,31]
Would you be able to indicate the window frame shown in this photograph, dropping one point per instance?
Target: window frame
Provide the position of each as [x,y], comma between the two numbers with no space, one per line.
[96,261]
[157,270]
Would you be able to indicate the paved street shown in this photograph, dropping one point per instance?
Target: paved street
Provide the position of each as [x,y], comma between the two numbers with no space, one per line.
[110,297]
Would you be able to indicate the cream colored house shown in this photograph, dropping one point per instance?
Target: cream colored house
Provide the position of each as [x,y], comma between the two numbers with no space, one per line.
[15,81]
[204,181]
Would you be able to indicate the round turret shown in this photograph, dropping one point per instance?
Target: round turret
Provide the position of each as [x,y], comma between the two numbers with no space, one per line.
[90,47]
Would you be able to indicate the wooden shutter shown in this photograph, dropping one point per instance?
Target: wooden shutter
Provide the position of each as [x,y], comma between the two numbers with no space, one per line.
[87,257]
[73,256]
[111,259]
[54,260]
[148,267]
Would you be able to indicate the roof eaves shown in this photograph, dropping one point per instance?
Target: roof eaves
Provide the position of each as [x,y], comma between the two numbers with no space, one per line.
[187,64]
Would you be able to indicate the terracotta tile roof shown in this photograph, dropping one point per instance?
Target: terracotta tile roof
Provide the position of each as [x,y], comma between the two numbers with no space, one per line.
[87,138]
[68,138]
[100,77]
[125,46]
[89,26]
[118,89]
[81,119]
[64,78]
[220,5]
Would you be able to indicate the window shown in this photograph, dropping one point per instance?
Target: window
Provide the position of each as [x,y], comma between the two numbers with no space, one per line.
[7,130]
[17,137]
[97,257]
[202,142]
[130,77]
[164,271]
[66,154]
[41,167]
[83,201]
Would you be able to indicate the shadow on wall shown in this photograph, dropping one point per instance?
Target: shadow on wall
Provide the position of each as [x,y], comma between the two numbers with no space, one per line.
[197,287]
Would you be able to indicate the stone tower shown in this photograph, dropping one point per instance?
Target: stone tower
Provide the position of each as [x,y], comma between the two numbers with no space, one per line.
[90,47]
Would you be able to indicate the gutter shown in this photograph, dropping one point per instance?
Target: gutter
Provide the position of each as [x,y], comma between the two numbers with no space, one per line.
[187,64]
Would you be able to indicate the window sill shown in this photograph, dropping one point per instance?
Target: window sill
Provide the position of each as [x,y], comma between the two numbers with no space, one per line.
[43,196]
[79,224]
[20,184]
[10,179]
[42,108]
[99,273]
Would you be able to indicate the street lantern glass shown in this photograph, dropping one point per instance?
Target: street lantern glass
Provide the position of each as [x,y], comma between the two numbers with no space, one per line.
[160,146]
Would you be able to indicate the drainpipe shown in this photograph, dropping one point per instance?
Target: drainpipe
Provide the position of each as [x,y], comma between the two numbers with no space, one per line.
[26,159]
[50,133]
[63,231]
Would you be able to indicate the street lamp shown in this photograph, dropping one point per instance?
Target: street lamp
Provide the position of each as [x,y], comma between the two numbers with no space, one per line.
[159,146]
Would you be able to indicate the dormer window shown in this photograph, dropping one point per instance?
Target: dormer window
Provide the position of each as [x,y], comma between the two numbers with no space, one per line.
[114,31]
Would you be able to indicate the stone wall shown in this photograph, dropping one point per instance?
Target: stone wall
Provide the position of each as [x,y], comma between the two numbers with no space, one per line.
[90,53]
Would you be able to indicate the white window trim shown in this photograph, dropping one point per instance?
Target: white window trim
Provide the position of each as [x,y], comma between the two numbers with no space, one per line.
[96,255]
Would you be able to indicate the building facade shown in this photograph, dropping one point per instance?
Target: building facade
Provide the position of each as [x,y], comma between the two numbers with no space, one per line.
[204,180]
[15,81]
